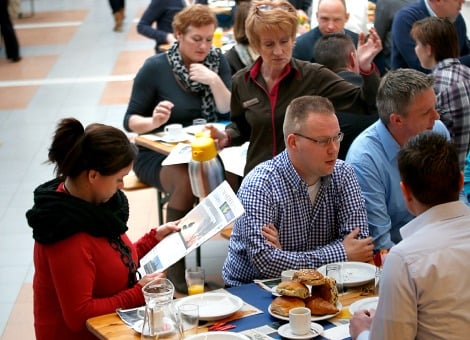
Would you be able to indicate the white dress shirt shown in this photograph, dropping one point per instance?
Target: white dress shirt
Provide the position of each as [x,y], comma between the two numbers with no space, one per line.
[425,283]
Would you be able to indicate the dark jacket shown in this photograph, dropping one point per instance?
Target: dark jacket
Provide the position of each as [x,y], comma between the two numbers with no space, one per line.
[253,118]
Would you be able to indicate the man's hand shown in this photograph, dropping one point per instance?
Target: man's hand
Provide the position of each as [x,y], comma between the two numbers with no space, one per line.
[368,48]
[358,250]
[272,237]
[360,322]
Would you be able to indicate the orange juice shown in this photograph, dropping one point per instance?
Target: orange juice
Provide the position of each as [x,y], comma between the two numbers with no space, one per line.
[195,289]
[217,38]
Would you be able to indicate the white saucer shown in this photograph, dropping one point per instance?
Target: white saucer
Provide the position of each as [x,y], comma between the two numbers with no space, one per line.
[286,332]
[175,139]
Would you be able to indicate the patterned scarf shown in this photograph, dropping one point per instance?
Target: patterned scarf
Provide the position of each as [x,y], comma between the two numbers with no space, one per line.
[212,62]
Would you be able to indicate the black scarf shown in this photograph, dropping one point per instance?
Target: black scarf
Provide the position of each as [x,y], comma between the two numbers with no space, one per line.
[56,216]
[212,62]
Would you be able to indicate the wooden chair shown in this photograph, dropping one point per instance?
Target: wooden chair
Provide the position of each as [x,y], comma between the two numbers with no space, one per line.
[132,182]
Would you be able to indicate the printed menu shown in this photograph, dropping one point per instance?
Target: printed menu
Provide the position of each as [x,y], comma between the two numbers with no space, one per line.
[216,211]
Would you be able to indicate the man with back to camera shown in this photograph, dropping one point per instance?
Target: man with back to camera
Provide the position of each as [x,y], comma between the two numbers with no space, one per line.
[337,52]
[424,283]
[403,53]
[406,105]
[303,208]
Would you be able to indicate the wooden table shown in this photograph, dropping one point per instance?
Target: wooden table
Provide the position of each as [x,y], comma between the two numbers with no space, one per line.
[157,146]
[111,327]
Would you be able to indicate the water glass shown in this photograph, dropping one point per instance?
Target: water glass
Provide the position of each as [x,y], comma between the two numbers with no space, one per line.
[189,318]
[335,271]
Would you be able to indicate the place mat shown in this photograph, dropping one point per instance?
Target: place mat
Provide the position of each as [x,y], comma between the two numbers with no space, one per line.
[246,310]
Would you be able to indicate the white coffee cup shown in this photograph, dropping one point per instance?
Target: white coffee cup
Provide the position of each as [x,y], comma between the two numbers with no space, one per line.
[300,319]
[174,131]
[287,275]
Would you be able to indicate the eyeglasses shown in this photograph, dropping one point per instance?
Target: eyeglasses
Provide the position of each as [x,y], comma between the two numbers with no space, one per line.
[265,8]
[325,141]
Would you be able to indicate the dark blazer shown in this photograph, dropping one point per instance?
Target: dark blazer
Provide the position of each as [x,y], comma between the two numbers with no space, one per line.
[403,46]
[305,43]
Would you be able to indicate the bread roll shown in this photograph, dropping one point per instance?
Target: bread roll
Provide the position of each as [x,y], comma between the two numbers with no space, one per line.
[310,277]
[326,291]
[282,304]
[293,288]
[319,306]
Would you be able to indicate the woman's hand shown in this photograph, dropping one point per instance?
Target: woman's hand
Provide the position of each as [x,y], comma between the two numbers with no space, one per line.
[162,112]
[149,277]
[270,234]
[367,49]
[201,74]
[165,229]
[220,137]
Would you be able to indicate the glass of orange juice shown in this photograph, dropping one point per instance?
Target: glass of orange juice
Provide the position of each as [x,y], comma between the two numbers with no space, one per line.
[195,280]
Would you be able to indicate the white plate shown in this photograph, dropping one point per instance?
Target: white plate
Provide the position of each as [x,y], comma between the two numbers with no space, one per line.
[274,291]
[197,128]
[218,336]
[213,306]
[354,273]
[367,304]
[286,332]
[314,318]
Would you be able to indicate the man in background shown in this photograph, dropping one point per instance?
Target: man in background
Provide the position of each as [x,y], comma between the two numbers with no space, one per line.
[332,16]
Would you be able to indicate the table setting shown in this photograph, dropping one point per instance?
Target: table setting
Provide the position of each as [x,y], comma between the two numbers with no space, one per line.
[243,312]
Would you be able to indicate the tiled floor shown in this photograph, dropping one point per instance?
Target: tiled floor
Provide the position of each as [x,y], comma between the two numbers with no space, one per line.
[73,65]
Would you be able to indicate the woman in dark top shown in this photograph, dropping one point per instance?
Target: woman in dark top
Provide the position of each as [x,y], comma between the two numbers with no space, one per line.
[191,80]
[261,93]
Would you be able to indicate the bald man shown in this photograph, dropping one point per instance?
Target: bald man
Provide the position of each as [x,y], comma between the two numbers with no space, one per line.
[332,17]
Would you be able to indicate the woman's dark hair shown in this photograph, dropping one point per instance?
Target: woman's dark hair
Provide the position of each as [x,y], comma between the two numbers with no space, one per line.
[99,147]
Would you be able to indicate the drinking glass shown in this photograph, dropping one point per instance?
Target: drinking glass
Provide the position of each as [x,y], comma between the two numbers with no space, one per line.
[188,314]
[335,271]
[195,280]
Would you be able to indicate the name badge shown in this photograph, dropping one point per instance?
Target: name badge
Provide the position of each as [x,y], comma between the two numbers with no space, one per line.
[250,102]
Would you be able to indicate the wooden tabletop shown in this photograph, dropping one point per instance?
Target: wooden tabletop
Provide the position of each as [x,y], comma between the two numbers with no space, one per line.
[160,147]
[110,326]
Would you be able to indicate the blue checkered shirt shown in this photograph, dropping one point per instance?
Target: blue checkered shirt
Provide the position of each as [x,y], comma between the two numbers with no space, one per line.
[452,88]
[310,234]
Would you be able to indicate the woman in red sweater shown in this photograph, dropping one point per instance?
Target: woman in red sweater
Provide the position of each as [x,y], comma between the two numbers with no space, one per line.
[85,265]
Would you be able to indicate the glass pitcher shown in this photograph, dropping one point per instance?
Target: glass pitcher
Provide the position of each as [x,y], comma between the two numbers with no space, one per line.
[160,319]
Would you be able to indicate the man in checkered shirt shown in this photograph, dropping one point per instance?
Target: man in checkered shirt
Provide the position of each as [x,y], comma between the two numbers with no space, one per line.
[303,208]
